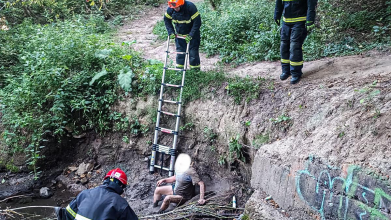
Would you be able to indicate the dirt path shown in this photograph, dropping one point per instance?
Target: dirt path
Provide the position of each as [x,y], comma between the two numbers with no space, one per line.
[151,47]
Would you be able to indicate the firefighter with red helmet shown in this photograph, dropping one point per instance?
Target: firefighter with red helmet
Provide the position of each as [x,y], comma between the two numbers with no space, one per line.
[102,202]
[299,19]
[187,20]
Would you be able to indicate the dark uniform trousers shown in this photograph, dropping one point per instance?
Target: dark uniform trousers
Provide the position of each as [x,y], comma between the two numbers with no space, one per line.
[292,39]
[293,32]
[194,53]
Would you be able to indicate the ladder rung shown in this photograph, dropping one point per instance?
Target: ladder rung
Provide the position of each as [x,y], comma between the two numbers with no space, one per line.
[175,52]
[163,149]
[171,85]
[163,168]
[176,69]
[170,114]
[165,130]
[170,101]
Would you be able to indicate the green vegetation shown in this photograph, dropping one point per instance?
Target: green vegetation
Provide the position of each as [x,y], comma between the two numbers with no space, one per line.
[232,29]
[210,135]
[341,131]
[369,94]
[260,140]
[44,11]
[149,81]
[221,160]
[65,75]
[187,127]
[245,217]
[125,139]
[281,119]
[246,88]
[12,168]
[236,148]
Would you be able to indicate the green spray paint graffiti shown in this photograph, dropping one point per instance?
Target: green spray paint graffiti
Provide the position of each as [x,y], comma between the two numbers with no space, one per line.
[335,197]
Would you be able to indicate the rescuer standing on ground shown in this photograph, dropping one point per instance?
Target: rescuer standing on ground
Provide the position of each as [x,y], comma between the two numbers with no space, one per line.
[187,20]
[298,20]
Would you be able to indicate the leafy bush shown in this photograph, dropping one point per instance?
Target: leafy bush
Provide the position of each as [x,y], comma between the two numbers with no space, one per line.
[43,11]
[62,77]
[236,148]
[237,33]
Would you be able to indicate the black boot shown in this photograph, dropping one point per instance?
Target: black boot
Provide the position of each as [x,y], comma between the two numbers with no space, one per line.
[285,76]
[295,79]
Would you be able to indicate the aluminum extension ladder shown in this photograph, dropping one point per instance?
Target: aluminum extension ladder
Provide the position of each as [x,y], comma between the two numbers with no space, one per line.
[161,149]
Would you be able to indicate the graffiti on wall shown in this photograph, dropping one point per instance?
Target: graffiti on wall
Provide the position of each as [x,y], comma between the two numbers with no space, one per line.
[355,196]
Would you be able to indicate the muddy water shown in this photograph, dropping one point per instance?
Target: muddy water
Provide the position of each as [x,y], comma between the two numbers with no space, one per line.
[39,208]
[33,213]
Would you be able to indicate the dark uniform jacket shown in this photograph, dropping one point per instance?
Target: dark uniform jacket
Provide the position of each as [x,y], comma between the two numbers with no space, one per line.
[295,10]
[187,21]
[101,203]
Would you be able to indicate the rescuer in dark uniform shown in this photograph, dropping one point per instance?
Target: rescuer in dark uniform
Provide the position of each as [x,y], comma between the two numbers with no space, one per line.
[298,20]
[103,202]
[187,20]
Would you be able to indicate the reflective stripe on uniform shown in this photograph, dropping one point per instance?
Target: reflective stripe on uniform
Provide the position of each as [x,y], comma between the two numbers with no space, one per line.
[297,63]
[285,61]
[69,209]
[195,67]
[195,15]
[180,66]
[182,22]
[288,20]
[80,217]
[168,16]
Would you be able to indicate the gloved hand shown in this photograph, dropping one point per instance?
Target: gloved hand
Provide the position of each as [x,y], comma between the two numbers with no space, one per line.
[277,22]
[172,36]
[310,25]
[188,39]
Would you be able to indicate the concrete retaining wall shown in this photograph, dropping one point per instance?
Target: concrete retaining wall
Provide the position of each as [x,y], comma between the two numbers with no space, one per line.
[311,187]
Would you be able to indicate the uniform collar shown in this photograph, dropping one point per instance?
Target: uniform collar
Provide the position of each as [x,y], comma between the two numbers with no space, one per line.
[112,186]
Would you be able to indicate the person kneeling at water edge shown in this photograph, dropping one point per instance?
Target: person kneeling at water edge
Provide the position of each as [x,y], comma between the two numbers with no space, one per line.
[183,190]
[102,202]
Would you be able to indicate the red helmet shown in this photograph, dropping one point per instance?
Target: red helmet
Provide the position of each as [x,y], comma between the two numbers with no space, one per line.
[118,174]
[175,3]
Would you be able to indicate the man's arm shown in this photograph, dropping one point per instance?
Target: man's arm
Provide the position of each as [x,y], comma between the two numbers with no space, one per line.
[311,12]
[166,180]
[278,10]
[201,201]
[196,17]
[168,21]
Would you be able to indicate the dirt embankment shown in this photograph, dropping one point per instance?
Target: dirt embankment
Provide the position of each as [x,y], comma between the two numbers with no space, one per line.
[339,113]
